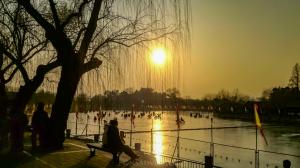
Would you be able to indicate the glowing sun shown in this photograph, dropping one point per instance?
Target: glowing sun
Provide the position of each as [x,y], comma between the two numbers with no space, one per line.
[158,56]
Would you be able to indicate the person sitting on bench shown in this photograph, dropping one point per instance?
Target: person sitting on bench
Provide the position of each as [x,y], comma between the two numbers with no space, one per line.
[114,142]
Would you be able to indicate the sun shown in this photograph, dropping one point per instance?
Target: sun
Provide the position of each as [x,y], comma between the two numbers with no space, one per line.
[158,56]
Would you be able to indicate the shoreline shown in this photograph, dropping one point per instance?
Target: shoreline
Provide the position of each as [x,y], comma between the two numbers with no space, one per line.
[290,121]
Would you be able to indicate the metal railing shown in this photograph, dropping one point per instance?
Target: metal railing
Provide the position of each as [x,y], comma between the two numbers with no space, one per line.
[222,154]
[178,162]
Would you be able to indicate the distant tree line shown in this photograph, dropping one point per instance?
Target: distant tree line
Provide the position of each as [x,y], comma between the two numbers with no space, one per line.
[275,102]
[146,99]
[142,99]
[285,100]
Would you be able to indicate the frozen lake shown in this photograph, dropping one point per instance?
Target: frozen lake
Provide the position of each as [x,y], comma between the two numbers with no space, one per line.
[194,144]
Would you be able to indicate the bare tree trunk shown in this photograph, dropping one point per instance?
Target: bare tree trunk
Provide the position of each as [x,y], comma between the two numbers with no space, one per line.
[3,99]
[70,76]
[3,117]
[3,95]
[19,120]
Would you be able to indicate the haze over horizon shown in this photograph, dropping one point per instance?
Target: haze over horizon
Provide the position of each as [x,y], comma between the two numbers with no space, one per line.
[246,45]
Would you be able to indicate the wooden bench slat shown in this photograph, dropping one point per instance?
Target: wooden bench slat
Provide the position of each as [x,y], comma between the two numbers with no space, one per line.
[94,145]
[98,146]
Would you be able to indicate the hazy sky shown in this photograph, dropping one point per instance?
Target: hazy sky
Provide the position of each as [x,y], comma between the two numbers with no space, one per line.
[250,45]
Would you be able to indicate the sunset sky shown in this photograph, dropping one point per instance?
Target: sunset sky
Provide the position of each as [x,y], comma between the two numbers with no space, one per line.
[238,44]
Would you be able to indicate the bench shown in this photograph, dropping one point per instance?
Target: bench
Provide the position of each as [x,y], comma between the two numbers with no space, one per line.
[94,146]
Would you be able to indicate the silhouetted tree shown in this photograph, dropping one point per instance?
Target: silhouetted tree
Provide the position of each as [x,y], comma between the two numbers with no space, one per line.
[82,103]
[295,77]
[172,95]
[225,101]
[280,97]
[83,34]
[20,42]
[42,96]
[266,94]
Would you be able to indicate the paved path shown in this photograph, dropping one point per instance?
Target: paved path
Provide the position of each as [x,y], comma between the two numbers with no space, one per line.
[75,154]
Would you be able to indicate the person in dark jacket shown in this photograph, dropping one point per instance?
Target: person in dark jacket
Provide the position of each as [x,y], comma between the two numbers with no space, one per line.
[115,142]
[40,121]
[286,164]
[18,123]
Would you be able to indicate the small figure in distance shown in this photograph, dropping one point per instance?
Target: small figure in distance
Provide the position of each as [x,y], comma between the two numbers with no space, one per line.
[115,143]
[40,121]
[286,164]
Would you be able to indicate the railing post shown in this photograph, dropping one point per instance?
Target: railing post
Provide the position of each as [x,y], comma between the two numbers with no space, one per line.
[151,146]
[211,140]
[99,124]
[76,115]
[208,162]
[256,149]
[256,158]
[87,123]
[130,142]
[131,122]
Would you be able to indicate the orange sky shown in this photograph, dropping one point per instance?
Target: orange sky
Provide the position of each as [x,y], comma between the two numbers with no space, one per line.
[245,45]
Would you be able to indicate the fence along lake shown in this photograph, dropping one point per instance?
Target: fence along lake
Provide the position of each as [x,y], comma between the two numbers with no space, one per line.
[233,147]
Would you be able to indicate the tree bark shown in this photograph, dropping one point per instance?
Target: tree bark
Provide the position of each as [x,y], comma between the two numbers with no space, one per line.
[3,95]
[73,67]
[18,119]
[3,98]
[3,117]
[72,63]
[66,90]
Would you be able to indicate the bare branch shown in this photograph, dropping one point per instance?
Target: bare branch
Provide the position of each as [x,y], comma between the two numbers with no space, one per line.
[50,80]
[92,64]
[127,39]
[77,14]
[54,14]
[90,28]
[8,54]
[42,46]
[78,37]
[99,47]
[7,67]
[11,76]
[37,16]
[44,69]
[17,63]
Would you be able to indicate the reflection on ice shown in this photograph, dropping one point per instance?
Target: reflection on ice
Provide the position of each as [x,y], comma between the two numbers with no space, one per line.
[158,141]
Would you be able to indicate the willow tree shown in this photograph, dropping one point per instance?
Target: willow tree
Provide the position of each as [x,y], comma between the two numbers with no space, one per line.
[20,44]
[295,77]
[85,33]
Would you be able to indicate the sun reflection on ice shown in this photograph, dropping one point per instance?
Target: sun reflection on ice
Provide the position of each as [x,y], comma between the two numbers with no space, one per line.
[158,141]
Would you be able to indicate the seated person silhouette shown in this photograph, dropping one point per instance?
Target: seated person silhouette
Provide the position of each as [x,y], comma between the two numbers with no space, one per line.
[114,142]
[286,164]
